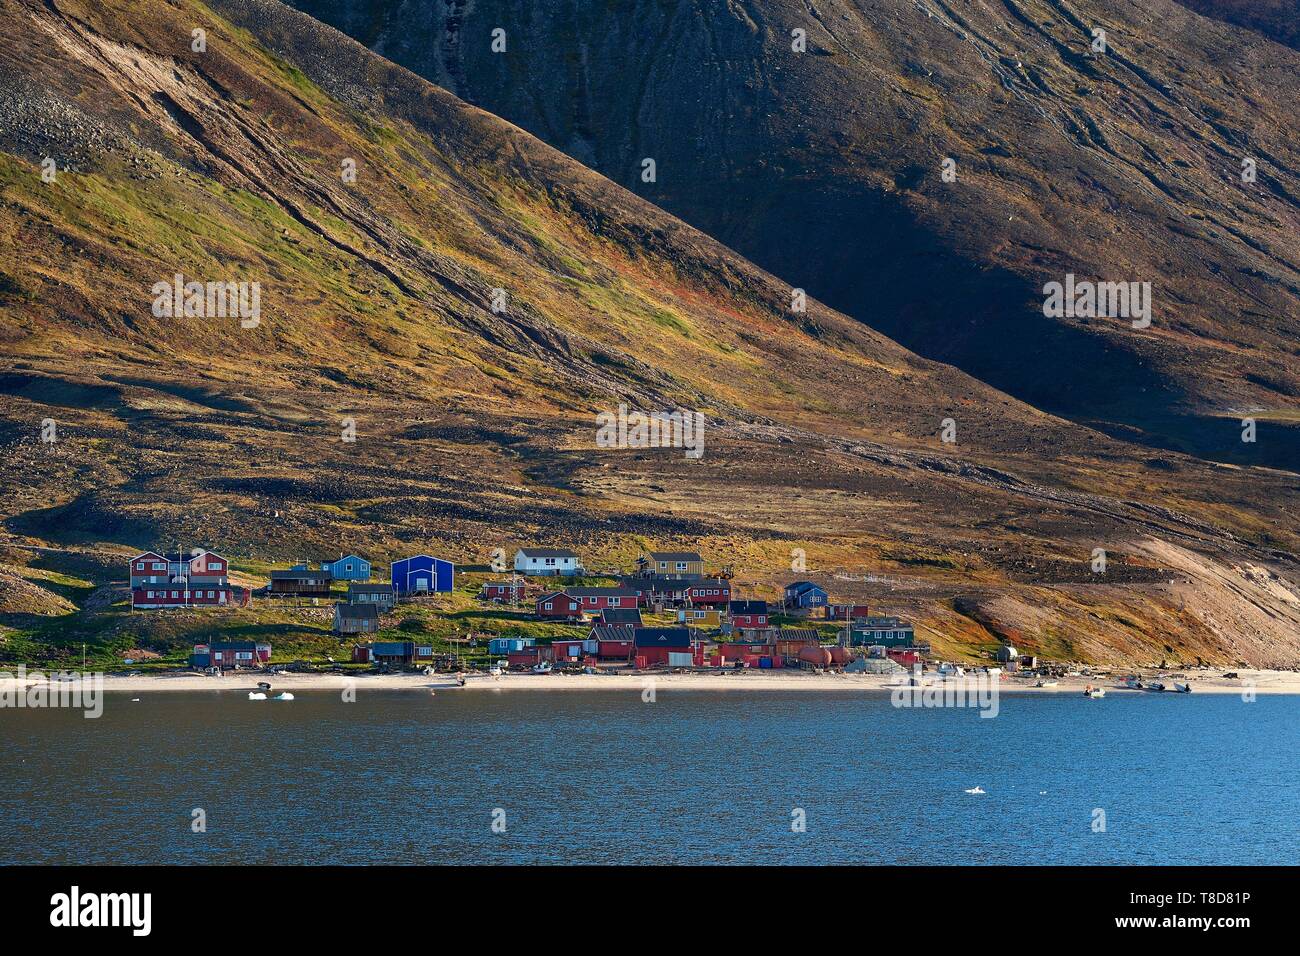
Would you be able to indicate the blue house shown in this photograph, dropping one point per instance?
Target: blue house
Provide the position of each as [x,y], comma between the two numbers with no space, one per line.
[805,595]
[423,575]
[350,567]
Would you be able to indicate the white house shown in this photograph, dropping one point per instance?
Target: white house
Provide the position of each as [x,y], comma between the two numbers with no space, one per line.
[547,561]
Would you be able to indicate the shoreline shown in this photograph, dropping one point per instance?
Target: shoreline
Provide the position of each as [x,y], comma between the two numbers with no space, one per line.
[1264,682]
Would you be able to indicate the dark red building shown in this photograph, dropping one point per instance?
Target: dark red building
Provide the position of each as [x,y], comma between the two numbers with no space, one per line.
[714,592]
[559,605]
[502,591]
[594,600]
[183,595]
[748,613]
[655,646]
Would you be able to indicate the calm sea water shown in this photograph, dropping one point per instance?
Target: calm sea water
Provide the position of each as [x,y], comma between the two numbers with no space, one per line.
[599,777]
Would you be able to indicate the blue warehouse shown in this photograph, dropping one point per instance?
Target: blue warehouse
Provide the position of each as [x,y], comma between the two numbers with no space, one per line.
[422,575]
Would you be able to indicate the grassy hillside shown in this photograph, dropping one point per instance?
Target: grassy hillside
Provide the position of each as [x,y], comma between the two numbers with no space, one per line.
[474,427]
[825,165]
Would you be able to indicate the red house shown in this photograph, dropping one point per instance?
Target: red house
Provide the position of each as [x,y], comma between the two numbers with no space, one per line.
[748,613]
[198,567]
[652,646]
[613,641]
[716,592]
[184,595]
[594,600]
[846,612]
[656,590]
[231,654]
[559,605]
[502,591]
[528,656]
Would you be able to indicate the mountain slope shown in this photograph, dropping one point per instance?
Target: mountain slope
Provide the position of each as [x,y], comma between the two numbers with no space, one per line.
[1276,19]
[825,167]
[475,428]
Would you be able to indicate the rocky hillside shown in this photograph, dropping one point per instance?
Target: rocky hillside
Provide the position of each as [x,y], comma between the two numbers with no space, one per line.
[1277,19]
[443,307]
[826,167]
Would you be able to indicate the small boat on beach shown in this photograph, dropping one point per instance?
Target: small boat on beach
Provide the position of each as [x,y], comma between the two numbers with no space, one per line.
[1046,683]
[1094,693]
[1182,688]
[543,668]
[1155,686]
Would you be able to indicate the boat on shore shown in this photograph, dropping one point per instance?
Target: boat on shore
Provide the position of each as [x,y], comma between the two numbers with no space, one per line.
[1182,688]
[1094,693]
[543,668]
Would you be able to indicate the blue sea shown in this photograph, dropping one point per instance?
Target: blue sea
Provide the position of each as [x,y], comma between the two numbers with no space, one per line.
[694,777]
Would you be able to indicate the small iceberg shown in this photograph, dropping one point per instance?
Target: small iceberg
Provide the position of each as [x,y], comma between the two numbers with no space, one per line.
[975,790]
[283,695]
[256,695]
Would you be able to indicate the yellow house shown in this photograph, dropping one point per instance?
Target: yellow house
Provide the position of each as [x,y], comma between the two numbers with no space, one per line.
[699,617]
[676,564]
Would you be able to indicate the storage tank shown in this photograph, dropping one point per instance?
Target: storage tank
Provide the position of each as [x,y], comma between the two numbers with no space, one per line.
[841,655]
[815,655]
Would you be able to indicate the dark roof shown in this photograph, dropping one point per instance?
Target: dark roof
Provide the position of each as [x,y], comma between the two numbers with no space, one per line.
[711,583]
[612,632]
[555,594]
[370,589]
[811,635]
[549,552]
[675,556]
[799,587]
[299,575]
[600,592]
[869,623]
[650,581]
[621,615]
[747,607]
[358,612]
[391,648]
[662,637]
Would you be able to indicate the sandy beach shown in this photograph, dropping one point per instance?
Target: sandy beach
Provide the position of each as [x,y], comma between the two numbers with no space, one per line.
[1263,682]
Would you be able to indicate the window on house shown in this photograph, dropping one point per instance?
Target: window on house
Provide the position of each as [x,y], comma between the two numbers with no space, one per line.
[139,565]
[547,606]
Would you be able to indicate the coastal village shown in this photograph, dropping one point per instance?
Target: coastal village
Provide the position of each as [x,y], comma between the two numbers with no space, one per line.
[670,611]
